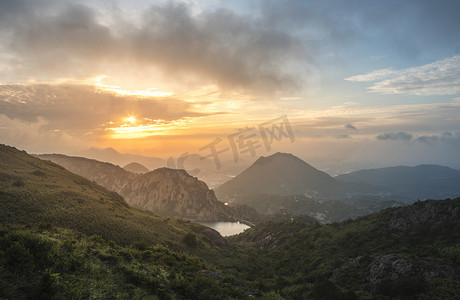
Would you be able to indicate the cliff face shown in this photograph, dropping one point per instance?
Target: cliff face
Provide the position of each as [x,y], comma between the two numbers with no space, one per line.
[174,193]
[165,192]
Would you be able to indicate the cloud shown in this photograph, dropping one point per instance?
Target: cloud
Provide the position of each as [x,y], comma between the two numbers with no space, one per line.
[373,76]
[35,138]
[81,108]
[400,136]
[438,78]
[350,126]
[212,47]
[343,136]
[446,137]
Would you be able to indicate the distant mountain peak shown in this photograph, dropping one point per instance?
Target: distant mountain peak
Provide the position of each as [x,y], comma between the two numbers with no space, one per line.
[110,149]
[277,156]
[281,174]
[136,167]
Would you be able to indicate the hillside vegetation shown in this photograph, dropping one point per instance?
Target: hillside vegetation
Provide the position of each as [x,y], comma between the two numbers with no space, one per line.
[33,191]
[65,237]
[407,252]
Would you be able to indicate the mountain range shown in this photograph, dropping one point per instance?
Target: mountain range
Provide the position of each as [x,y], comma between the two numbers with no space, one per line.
[279,181]
[165,192]
[419,182]
[283,181]
[286,174]
[113,156]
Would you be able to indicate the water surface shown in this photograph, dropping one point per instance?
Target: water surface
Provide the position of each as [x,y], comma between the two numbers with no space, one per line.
[226,228]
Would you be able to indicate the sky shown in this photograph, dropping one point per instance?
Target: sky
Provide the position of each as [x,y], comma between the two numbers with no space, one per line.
[343,85]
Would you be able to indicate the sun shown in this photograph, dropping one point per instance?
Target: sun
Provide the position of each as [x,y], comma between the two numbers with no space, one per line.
[131,119]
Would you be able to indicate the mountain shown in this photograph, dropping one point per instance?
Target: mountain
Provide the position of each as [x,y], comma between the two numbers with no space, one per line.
[279,174]
[113,156]
[174,193]
[135,167]
[165,192]
[283,181]
[34,191]
[423,181]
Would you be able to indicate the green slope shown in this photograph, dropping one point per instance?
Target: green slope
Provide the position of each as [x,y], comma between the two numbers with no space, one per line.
[53,263]
[34,191]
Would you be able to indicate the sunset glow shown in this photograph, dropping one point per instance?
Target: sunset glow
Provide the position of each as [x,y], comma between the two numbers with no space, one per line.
[131,119]
[167,78]
[139,93]
[138,129]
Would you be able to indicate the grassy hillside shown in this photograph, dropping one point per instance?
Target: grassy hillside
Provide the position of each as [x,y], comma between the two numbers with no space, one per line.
[33,191]
[52,263]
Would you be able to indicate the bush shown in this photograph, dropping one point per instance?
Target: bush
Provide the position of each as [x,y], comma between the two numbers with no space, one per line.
[190,240]
[140,245]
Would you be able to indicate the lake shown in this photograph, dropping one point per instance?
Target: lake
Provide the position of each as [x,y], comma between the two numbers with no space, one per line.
[226,228]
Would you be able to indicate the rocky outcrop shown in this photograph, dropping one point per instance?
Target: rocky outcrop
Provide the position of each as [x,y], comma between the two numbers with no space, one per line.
[174,193]
[431,212]
[393,266]
[371,270]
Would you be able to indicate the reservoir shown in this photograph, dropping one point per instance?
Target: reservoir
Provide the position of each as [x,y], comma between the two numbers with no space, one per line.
[226,228]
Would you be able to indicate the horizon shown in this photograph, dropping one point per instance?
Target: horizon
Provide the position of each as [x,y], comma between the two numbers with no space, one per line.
[342,86]
[224,169]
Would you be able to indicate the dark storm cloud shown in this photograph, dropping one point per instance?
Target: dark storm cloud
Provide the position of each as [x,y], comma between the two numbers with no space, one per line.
[82,108]
[214,47]
[400,136]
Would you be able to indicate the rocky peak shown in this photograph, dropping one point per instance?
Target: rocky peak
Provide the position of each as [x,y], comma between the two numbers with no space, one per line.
[174,193]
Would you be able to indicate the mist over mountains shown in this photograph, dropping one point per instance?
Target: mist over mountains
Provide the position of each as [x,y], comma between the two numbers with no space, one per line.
[278,182]
[113,156]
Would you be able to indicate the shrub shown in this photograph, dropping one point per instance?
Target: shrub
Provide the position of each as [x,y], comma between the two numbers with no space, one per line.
[140,245]
[190,240]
